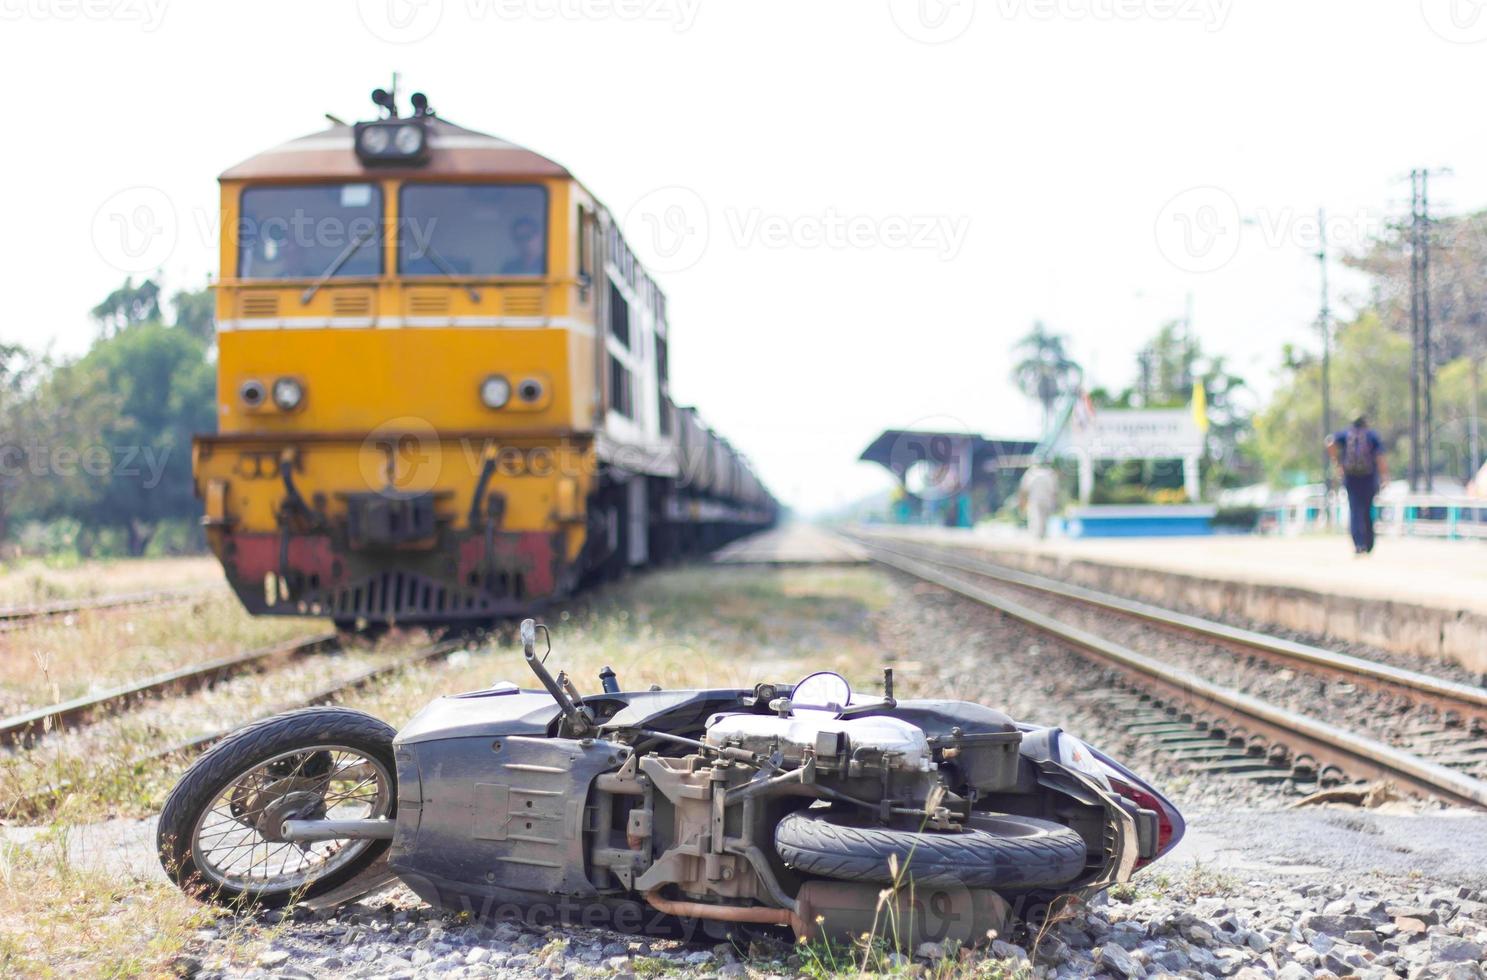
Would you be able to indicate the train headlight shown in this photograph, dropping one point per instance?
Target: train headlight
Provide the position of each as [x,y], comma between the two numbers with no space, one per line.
[530,390]
[374,141]
[495,391]
[252,393]
[288,393]
[392,141]
[409,140]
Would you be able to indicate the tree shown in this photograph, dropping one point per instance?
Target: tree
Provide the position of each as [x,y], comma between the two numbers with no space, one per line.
[1045,371]
[1458,331]
[1167,370]
[166,390]
[1460,407]
[196,313]
[128,305]
[65,457]
[18,372]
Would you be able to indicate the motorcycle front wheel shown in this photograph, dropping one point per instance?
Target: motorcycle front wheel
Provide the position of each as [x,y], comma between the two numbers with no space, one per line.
[219,830]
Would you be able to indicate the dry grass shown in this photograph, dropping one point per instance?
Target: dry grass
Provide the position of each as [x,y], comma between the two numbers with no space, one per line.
[94,763]
[91,652]
[728,627]
[60,916]
[683,627]
[32,580]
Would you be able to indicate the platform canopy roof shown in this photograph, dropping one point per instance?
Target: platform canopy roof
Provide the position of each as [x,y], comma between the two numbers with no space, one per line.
[898,449]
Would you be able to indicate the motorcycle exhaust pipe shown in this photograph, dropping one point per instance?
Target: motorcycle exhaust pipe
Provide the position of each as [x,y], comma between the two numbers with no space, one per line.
[306,831]
[755,914]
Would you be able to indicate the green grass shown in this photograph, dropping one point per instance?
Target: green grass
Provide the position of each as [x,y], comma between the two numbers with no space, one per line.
[1197,881]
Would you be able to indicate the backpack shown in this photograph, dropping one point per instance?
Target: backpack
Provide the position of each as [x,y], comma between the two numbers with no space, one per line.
[1358,453]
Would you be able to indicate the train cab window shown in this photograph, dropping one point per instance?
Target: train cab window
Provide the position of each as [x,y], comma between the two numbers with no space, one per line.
[310,232]
[472,230]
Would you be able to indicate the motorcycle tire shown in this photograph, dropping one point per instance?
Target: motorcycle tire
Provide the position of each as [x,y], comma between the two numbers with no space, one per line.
[996,850]
[306,741]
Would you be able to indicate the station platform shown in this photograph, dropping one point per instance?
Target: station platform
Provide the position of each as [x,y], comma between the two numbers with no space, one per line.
[1413,596]
[790,544]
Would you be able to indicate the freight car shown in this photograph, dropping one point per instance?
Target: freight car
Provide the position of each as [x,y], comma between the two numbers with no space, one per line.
[443,385]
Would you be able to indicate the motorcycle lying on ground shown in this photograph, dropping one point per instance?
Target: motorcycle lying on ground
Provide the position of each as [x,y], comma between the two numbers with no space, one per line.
[799,806]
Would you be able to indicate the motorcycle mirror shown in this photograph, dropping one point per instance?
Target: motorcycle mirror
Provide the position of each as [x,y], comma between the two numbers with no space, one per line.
[823,693]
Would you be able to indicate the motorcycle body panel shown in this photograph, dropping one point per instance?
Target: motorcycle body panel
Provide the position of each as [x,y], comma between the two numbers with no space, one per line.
[642,810]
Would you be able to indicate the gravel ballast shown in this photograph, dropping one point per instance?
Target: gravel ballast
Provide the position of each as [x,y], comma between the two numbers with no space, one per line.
[1256,891]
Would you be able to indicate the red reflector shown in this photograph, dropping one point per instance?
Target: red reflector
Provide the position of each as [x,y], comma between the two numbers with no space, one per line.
[1147,801]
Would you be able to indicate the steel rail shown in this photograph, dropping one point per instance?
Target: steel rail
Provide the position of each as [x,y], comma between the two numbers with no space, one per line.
[27,726]
[15,617]
[1445,694]
[1348,751]
[30,803]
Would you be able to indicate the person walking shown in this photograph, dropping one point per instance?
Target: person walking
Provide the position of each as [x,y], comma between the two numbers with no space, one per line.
[1038,495]
[1359,454]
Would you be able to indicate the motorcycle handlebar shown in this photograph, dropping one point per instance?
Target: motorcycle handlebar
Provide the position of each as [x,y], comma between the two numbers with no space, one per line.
[578,720]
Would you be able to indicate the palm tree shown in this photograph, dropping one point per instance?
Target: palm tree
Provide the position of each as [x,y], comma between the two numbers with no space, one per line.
[1045,370]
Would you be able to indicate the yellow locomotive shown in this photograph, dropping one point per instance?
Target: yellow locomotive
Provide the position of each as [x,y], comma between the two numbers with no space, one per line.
[442,387]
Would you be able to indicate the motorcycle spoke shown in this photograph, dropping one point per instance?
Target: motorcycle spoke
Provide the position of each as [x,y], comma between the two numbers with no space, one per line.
[229,846]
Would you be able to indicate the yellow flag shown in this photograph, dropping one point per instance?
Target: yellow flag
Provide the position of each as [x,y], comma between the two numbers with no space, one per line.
[1200,407]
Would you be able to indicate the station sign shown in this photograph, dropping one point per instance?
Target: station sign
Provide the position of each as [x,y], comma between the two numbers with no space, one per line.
[1161,433]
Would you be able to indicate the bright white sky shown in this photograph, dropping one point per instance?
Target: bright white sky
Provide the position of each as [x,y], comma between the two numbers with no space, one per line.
[876,197]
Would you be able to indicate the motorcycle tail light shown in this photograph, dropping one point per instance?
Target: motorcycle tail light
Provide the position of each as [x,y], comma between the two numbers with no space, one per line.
[1146,800]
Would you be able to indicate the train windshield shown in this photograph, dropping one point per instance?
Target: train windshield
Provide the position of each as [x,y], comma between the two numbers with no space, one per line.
[310,232]
[472,230]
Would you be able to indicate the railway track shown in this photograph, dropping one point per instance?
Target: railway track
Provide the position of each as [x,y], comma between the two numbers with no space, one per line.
[1227,730]
[26,727]
[18,617]
[35,802]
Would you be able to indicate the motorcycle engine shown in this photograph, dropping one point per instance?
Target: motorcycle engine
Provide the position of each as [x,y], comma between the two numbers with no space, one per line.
[865,743]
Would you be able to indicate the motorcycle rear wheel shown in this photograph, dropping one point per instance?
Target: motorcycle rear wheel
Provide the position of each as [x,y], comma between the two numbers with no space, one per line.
[997,850]
[216,835]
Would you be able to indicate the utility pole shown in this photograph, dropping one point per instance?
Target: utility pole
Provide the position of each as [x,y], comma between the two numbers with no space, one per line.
[1189,345]
[1324,324]
[1427,374]
[1422,370]
[1414,330]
